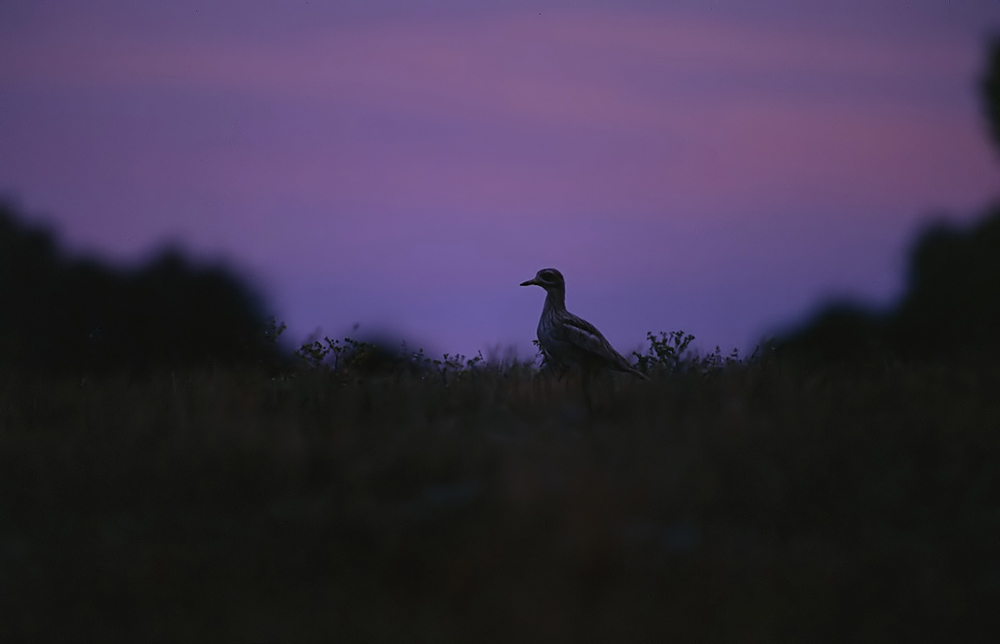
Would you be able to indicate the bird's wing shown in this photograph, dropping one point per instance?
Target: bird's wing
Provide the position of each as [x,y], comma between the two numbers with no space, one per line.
[585,335]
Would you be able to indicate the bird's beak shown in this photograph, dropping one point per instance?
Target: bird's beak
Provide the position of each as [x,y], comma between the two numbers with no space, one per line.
[530,282]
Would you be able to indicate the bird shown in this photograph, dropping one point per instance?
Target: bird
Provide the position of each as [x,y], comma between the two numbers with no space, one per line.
[571,341]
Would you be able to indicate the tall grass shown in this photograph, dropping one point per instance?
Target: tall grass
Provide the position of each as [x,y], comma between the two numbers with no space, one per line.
[739,500]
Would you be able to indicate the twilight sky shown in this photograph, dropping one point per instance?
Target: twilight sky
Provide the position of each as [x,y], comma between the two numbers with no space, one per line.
[716,166]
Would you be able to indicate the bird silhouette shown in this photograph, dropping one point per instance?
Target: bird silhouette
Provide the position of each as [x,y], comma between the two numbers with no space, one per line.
[568,340]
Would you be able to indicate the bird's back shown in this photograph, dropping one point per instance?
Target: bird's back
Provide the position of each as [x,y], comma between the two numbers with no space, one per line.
[571,341]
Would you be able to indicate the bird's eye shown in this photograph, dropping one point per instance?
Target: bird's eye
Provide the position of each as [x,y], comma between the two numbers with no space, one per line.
[546,275]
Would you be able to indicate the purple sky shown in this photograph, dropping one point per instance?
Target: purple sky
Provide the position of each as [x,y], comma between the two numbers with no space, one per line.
[720,167]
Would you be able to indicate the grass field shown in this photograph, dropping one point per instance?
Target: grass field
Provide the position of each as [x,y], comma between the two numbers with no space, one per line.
[756,501]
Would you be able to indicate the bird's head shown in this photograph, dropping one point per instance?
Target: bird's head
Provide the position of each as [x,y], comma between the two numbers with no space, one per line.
[548,278]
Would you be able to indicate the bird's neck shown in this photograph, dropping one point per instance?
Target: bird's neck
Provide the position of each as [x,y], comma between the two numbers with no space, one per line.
[555,300]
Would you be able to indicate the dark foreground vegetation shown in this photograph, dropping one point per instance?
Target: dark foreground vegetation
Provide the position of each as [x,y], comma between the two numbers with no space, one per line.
[166,474]
[746,502]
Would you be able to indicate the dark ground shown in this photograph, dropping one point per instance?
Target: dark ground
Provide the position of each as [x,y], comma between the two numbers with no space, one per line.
[761,503]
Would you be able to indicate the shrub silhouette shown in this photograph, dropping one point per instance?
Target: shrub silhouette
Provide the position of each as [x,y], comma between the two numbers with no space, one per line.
[80,316]
[951,307]
[840,332]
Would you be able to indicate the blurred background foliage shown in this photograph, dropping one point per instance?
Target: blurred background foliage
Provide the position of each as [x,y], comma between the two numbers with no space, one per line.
[82,316]
[951,307]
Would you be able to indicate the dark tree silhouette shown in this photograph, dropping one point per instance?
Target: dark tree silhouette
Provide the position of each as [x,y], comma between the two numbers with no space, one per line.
[953,300]
[63,316]
[991,89]
[951,308]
